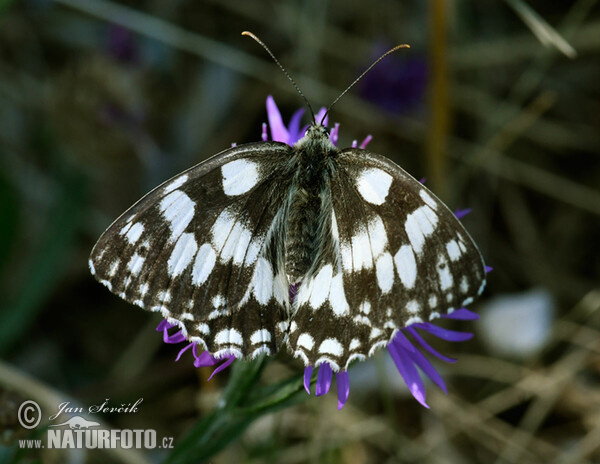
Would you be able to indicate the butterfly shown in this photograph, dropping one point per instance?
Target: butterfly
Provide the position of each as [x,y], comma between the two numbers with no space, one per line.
[322,251]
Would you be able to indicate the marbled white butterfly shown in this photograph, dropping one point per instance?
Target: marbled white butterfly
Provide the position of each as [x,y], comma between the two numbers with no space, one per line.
[365,248]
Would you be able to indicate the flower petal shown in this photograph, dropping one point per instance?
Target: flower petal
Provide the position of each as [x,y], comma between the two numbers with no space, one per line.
[278,131]
[294,133]
[264,135]
[323,379]
[183,350]
[343,388]
[205,360]
[417,358]
[408,371]
[488,269]
[177,337]
[462,314]
[444,334]
[335,132]
[411,330]
[307,377]
[366,141]
[222,366]
[164,324]
[461,213]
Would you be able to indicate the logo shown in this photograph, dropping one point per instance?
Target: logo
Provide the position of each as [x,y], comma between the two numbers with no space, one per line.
[77,432]
[78,422]
[29,414]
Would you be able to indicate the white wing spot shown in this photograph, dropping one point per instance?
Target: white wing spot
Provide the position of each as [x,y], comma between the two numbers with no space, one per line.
[134,233]
[377,236]
[260,336]
[218,301]
[362,257]
[229,337]
[239,176]
[204,264]
[432,301]
[413,307]
[446,279]
[178,209]
[428,199]
[164,296]
[419,225]
[113,268]
[354,344]
[453,250]
[337,297]
[365,307]
[182,255]
[203,328]
[221,229]
[237,244]
[464,285]
[135,264]
[331,346]
[175,184]
[374,185]
[306,341]
[406,266]
[187,317]
[320,286]
[385,272]
[262,281]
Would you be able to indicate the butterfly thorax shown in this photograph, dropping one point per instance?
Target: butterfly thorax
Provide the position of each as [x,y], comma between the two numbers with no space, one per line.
[309,202]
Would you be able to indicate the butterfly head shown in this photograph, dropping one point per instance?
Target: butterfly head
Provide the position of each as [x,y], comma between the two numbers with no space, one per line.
[316,138]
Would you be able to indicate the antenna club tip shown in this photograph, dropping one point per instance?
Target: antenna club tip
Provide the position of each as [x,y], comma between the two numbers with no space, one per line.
[246,33]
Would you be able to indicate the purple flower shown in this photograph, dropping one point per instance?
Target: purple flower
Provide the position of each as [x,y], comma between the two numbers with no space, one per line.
[407,343]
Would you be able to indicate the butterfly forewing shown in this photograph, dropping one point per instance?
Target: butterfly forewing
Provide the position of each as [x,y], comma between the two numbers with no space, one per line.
[199,249]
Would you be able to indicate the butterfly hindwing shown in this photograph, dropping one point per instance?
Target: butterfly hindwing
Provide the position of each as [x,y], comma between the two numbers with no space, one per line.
[201,248]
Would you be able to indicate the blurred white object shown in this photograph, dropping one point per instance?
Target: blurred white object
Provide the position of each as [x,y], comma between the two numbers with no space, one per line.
[517,325]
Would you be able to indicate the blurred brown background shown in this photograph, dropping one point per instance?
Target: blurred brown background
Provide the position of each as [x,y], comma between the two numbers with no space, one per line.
[497,103]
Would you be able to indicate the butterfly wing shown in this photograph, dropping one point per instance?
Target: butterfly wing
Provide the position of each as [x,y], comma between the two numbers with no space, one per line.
[201,249]
[402,257]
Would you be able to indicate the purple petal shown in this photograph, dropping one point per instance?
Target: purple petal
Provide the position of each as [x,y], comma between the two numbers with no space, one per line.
[164,324]
[204,360]
[343,387]
[335,132]
[320,115]
[408,371]
[294,133]
[366,141]
[354,143]
[421,361]
[183,350]
[444,334]
[462,314]
[461,213]
[422,180]
[264,136]
[323,379]
[278,131]
[177,337]
[488,269]
[307,376]
[233,145]
[222,366]
[427,346]
[403,342]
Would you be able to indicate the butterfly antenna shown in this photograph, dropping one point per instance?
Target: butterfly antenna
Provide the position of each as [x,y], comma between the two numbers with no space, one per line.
[262,44]
[397,47]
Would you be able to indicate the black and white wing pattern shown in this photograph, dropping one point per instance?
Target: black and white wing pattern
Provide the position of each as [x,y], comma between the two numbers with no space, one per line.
[202,249]
[393,255]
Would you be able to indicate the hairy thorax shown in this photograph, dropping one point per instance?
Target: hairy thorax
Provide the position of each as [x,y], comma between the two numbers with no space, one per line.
[314,158]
